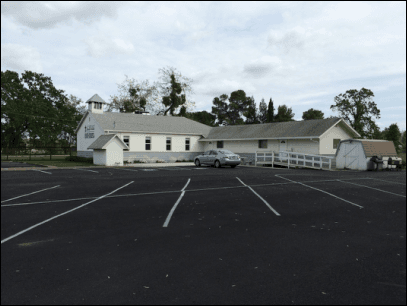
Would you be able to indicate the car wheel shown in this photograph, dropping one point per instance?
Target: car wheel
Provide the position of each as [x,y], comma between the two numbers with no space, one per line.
[217,164]
[234,166]
[197,163]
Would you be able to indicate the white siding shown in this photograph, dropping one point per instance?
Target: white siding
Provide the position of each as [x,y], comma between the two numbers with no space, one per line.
[158,142]
[114,153]
[99,157]
[326,140]
[305,146]
[242,146]
[84,143]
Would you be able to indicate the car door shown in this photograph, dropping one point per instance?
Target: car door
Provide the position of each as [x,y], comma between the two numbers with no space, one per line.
[212,156]
[204,157]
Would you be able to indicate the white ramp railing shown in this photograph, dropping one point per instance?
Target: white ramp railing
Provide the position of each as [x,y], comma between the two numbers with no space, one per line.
[294,159]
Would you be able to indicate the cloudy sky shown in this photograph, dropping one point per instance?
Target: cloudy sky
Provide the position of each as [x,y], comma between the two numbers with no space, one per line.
[301,54]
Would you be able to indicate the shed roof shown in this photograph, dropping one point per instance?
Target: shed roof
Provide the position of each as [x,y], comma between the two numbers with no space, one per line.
[290,129]
[104,140]
[375,147]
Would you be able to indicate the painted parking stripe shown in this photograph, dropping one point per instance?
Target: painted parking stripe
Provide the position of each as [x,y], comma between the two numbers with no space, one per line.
[126,169]
[175,206]
[279,175]
[24,195]
[265,202]
[388,181]
[373,188]
[43,171]
[148,169]
[45,221]
[87,170]
[168,169]
[171,191]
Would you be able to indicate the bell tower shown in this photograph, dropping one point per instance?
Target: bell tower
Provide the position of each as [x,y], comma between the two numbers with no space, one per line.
[95,104]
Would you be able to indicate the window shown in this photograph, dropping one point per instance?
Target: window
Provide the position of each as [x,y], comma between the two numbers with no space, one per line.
[168,143]
[336,143]
[126,140]
[148,143]
[220,144]
[187,144]
[263,144]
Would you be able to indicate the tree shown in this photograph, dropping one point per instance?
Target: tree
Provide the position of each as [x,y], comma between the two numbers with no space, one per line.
[357,108]
[221,109]
[202,117]
[40,111]
[136,96]
[174,89]
[262,117]
[270,111]
[239,105]
[403,142]
[312,114]
[393,134]
[251,113]
[284,114]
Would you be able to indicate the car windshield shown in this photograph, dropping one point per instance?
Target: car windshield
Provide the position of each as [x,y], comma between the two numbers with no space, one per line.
[225,152]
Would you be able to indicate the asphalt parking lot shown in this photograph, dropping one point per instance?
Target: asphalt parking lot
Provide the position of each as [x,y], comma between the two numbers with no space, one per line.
[187,235]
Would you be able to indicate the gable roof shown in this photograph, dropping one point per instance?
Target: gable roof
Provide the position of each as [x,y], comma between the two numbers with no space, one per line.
[130,122]
[374,147]
[96,98]
[104,140]
[291,129]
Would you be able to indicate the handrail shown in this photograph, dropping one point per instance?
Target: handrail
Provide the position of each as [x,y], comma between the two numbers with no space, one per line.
[289,157]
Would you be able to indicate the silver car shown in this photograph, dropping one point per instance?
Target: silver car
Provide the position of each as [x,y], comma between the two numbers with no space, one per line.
[218,158]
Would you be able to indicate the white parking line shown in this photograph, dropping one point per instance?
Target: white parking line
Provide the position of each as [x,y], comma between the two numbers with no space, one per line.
[389,181]
[148,169]
[175,206]
[373,188]
[87,170]
[171,191]
[29,194]
[279,175]
[126,169]
[38,224]
[265,202]
[43,171]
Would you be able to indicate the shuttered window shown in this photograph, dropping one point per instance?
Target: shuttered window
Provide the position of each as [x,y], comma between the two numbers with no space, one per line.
[263,144]
[126,140]
[148,143]
[187,144]
[220,144]
[168,143]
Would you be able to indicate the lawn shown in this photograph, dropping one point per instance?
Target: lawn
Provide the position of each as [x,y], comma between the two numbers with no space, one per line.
[57,161]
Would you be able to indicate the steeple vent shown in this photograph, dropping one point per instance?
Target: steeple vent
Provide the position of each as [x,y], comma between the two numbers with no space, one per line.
[95,104]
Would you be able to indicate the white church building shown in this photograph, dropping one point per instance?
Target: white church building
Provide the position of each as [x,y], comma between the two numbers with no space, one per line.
[150,138]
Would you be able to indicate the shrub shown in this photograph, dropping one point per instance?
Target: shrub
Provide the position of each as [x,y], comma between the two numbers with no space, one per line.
[79,159]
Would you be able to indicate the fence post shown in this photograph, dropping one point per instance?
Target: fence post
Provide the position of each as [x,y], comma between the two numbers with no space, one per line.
[255,158]
[288,160]
[312,161]
[272,159]
[330,164]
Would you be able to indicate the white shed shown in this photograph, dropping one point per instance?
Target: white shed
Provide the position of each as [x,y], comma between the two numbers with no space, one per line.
[355,154]
[108,150]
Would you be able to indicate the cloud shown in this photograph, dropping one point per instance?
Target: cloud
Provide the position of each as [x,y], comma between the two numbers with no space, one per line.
[20,57]
[99,46]
[261,67]
[48,14]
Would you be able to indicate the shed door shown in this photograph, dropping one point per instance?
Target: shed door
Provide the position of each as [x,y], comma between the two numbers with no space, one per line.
[351,155]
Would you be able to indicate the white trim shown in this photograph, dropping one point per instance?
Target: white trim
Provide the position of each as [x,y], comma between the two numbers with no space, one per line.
[263,138]
[334,125]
